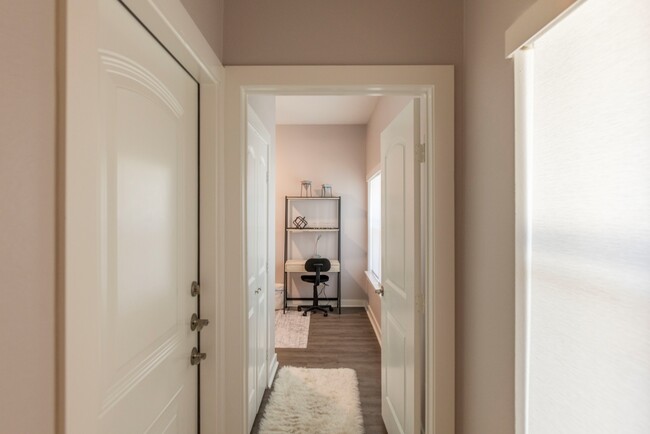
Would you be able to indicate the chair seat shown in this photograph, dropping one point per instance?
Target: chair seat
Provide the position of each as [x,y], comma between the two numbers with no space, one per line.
[312,279]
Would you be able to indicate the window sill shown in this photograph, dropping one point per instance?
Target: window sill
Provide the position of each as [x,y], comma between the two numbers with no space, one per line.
[373,280]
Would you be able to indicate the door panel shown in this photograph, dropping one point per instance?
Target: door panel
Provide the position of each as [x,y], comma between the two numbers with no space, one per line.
[258,141]
[401,272]
[149,236]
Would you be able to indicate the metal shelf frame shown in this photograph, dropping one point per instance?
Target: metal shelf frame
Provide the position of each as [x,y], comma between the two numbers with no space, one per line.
[288,230]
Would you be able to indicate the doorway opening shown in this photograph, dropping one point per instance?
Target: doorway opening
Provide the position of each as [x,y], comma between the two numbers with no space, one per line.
[436,96]
[324,152]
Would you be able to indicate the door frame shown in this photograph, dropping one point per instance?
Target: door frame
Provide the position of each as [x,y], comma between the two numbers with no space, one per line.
[436,85]
[78,210]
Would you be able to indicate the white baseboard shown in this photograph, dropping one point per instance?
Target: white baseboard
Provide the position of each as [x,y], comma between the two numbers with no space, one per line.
[273,369]
[345,302]
[353,302]
[374,323]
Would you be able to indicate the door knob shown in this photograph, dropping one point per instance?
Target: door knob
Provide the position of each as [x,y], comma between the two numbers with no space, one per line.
[380,291]
[196,356]
[198,323]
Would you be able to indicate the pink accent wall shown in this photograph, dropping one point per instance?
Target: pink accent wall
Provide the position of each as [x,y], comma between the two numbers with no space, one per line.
[333,154]
[27,217]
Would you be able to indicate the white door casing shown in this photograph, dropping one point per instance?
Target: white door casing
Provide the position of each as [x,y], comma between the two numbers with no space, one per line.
[435,85]
[400,170]
[258,141]
[148,138]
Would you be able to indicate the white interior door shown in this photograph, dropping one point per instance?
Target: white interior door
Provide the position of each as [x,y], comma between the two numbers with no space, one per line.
[400,172]
[149,232]
[258,140]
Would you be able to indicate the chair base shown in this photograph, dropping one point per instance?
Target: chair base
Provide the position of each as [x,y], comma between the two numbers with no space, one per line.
[311,308]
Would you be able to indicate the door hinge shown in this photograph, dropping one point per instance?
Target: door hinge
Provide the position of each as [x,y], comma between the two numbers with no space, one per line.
[420,151]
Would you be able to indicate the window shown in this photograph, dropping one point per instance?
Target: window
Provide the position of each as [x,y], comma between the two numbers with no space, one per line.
[374,227]
[586,171]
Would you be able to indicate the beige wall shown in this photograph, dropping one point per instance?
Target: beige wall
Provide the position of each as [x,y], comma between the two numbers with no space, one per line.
[340,32]
[333,154]
[485,216]
[208,16]
[27,209]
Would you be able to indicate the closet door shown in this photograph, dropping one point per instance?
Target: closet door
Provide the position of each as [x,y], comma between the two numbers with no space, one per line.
[257,260]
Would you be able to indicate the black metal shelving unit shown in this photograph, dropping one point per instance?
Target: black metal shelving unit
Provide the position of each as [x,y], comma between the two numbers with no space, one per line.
[288,230]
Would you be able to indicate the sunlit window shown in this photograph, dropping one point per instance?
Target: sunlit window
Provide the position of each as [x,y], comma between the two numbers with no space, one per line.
[374,227]
[588,177]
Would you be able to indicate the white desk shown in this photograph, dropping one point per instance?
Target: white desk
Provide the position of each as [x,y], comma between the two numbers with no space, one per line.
[298,266]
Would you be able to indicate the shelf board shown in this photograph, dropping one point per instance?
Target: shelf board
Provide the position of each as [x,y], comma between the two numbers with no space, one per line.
[313,198]
[312,230]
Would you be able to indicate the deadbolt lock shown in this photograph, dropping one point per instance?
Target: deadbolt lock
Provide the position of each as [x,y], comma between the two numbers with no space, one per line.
[195,289]
[197,323]
[196,356]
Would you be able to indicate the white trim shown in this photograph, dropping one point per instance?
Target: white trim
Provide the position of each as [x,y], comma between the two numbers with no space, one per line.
[274,365]
[78,349]
[353,302]
[435,85]
[374,323]
[345,302]
[523,160]
[535,21]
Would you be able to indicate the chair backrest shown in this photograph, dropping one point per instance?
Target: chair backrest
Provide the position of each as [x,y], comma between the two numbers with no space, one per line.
[318,264]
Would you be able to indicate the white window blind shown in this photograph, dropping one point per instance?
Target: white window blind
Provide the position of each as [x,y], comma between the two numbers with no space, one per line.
[589,199]
[374,227]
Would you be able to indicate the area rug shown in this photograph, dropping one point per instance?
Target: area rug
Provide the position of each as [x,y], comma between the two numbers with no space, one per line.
[291,329]
[323,401]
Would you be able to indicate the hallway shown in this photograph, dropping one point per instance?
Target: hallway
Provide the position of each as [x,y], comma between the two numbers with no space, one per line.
[342,341]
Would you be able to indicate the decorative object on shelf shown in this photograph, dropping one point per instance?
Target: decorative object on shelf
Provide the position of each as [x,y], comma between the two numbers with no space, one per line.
[326,191]
[300,222]
[305,188]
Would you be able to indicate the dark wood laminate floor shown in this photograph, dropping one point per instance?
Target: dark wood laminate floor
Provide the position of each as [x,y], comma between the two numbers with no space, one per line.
[341,341]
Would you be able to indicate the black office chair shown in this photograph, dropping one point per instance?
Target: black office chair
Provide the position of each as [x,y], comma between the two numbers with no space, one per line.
[317,265]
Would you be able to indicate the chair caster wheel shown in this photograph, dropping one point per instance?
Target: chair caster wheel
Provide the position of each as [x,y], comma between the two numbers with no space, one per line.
[304,314]
[325,314]
[299,308]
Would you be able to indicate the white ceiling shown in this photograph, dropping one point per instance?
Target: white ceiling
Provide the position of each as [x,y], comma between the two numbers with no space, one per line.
[324,109]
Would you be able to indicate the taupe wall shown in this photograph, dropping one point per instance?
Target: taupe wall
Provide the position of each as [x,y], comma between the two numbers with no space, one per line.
[333,154]
[342,32]
[485,216]
[279,32]
[27,225]
[208,16]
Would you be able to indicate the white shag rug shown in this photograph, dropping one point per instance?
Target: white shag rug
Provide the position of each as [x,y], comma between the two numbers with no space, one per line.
[291,329]
[314,401]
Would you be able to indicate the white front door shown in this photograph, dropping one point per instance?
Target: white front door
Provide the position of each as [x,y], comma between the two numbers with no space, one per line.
[400,172]
[149,231]
[257,167]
